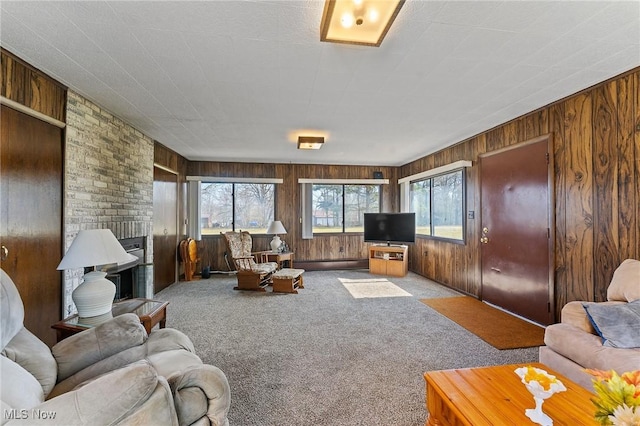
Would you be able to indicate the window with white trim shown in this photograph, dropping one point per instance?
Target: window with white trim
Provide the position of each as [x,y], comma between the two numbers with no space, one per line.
[234,206]
[337,205]
[230,204]
[438,202]
[341,208]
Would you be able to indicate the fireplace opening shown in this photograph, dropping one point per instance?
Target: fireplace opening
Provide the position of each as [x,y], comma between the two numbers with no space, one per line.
[130,277]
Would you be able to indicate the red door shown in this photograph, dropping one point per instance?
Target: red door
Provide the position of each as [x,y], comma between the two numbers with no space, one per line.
[517,243]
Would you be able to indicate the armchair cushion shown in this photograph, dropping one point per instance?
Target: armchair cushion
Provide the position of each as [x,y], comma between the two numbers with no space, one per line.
[35,357]
[12,310]
[201,393]
[168,350]
[20,390]
[114,397]
[95,344]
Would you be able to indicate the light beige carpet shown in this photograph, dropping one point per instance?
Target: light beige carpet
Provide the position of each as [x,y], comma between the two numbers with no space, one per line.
[372,287]
[496,327]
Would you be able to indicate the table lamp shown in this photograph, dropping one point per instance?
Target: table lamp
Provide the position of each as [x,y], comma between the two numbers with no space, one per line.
[94,248]
[276,228]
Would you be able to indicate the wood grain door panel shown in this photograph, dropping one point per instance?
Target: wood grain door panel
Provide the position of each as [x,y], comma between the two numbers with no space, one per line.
[516,230]
[31,216]
[165,228]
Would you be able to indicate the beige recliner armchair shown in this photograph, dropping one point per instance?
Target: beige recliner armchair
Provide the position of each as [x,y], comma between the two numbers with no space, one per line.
[111,374]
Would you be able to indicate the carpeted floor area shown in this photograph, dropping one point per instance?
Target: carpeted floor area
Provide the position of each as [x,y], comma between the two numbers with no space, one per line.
[323,356]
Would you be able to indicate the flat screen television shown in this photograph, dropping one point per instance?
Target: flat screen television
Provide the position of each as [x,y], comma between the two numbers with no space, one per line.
[390,228]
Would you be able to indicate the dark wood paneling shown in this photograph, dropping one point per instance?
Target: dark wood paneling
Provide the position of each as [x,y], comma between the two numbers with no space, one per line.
[556,114]
[597,181]
[31,216]
[14,79]
[32,170]
[169,159]
[334,247]
[579,196]
[29,87]
[605,188]
[628,182]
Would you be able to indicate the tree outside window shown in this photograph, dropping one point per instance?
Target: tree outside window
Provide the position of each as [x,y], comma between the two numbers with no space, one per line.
[341,208]
[236,206]
[439,205]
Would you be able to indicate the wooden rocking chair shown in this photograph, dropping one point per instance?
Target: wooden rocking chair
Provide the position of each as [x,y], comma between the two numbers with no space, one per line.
[251,275]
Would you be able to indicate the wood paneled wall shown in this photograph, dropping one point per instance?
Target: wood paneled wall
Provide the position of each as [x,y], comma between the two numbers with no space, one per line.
[597,185]
[336,247]
[27,86]
[597,191]
[174,162]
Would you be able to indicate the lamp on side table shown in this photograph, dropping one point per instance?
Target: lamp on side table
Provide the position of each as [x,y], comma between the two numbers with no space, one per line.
[93,248]
[276,228]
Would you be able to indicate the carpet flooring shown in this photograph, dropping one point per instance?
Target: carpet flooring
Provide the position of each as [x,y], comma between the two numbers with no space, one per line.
[494,326]
[323,356]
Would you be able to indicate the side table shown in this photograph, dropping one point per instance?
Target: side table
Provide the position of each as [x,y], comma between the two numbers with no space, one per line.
[280,258]
[150,312]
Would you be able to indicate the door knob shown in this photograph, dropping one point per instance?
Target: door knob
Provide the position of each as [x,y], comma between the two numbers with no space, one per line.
[4,253]
[484,240]
[485,230]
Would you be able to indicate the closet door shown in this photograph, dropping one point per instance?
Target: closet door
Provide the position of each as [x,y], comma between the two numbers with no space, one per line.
[165,228]
[31,216]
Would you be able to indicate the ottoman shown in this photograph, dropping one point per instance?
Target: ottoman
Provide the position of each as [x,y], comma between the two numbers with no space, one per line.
[287,280]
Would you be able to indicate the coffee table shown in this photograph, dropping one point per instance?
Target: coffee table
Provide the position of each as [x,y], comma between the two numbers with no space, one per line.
[150,312]
[496,396]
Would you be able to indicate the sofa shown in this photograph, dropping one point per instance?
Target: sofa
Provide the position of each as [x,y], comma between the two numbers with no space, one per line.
[114,373]
[598,335]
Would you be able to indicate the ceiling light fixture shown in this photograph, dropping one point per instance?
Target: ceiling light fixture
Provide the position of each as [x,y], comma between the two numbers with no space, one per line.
[310,142]
[363,22]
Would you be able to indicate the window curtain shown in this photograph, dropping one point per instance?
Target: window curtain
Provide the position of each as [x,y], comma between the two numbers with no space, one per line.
[193,209]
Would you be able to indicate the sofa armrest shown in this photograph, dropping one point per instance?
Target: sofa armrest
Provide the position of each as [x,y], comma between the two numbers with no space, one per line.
[90,346]
[573,313]
[109,399]
[201,392]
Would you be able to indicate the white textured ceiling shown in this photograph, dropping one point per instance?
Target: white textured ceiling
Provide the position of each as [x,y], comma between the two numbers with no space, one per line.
[230,80]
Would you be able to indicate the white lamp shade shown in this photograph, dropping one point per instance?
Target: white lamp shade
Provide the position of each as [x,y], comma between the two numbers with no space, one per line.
[92,248]
[276,227]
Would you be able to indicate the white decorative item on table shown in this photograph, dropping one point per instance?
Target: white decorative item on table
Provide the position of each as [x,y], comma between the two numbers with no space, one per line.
[94,248]
[276,228]
[542,385]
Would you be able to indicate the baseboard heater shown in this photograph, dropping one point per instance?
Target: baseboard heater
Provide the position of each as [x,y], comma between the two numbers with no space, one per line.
[324,265]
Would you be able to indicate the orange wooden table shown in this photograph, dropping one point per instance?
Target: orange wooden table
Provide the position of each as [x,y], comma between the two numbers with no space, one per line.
[496,396]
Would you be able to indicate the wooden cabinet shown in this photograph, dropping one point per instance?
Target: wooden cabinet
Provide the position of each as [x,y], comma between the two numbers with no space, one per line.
[388,260]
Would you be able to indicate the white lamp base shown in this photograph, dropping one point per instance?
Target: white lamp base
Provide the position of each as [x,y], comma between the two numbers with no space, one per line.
[95,295]
[275,244]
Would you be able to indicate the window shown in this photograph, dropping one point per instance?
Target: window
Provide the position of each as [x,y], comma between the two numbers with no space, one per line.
[439,205]
[341,208]
[236,206]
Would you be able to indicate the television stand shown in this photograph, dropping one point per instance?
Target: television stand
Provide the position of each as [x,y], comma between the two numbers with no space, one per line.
[388,260]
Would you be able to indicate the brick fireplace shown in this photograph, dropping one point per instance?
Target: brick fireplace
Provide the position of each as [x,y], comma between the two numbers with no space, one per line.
[108,184]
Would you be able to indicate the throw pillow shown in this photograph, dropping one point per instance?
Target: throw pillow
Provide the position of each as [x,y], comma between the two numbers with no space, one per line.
[625,283]
[617,325]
